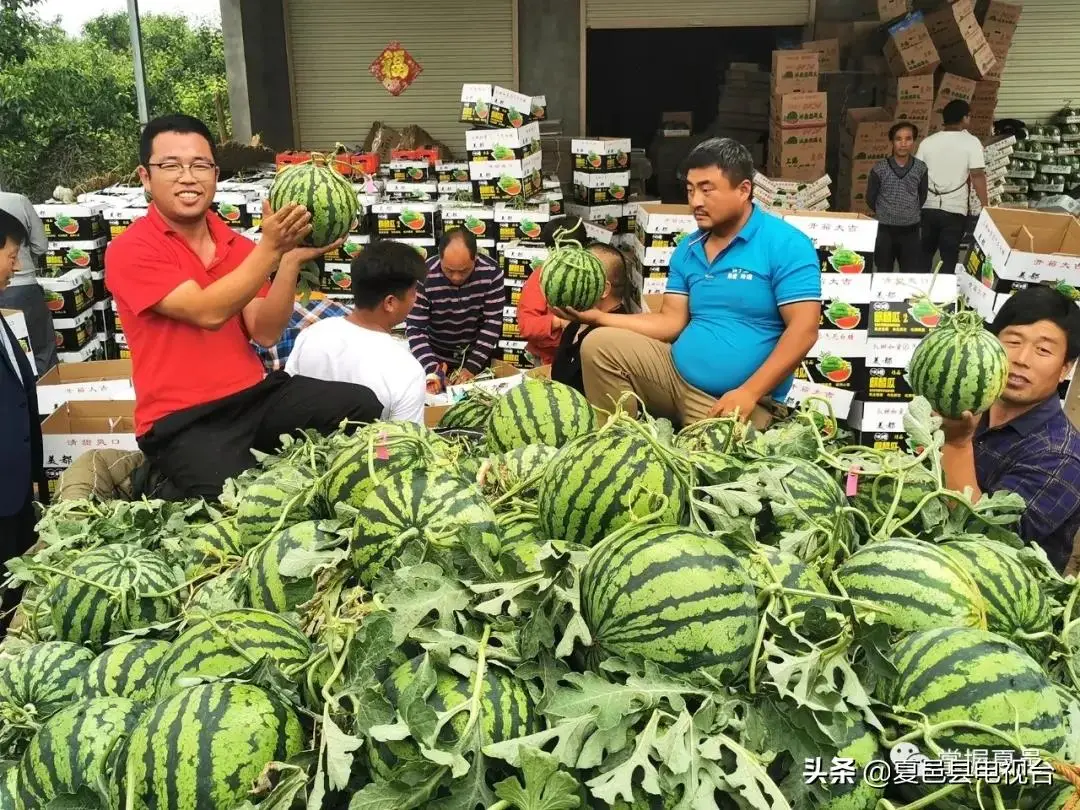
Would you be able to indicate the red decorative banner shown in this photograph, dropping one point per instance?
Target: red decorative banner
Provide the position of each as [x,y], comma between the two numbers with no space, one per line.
[395,68]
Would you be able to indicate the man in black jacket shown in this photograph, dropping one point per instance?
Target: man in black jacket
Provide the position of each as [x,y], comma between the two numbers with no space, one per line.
[20,430]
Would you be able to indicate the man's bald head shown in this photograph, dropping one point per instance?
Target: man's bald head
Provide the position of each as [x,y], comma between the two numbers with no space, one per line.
[457,255]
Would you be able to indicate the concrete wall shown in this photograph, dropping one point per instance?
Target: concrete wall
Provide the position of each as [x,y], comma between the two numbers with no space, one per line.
[549,57]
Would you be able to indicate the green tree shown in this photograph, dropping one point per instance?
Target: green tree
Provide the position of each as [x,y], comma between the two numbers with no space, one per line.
[19,30]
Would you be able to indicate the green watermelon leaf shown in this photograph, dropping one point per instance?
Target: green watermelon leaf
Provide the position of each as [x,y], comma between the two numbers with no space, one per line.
[620,781]
[412,594]
[546,786]
[337,755]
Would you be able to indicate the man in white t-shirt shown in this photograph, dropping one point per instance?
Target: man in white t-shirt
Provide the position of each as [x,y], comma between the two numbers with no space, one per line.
[955,163]
[359,348]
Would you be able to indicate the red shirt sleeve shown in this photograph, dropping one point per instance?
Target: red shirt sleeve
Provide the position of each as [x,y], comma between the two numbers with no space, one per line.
[534,317]
[140,275]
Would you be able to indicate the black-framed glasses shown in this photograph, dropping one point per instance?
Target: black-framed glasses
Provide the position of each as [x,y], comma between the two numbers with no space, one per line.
[174,168]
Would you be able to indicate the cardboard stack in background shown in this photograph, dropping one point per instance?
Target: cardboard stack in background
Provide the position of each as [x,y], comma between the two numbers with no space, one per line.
[949,88]
[782,196]
[744,101]
[659,229]
[601,184]
[959,40]
[910,51]
[798,115]
[911,98]
[865,141]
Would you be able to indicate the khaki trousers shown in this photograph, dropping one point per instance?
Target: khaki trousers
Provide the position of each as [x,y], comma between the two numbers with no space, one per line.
[614,361]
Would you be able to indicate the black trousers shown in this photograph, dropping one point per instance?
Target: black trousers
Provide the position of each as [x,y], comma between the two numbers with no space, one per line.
[942,232]
[195,450]
[899,243]
[16,537]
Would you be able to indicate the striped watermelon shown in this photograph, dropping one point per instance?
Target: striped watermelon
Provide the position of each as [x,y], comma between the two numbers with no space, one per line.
[267,588]
[509,471]
[229,643]
[959,366]
[507,712]
[119,587]
[522,542]
[672,595]
[203,748]
[470,413]
[325,193]
[963,673]
[125,670]
[597,483]
[721,435]
[418,508]
[276,498]
[1015,602]
[9,789]
[813,501]
[857,742]
[768,566]
[572,277]
[47,676]
[874,494]
[917,585]
[538,412]
[213,545]
[227,591]
[376,452]
[71,751]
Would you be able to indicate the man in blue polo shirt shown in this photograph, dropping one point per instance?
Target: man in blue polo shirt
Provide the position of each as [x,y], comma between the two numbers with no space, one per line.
[740,312]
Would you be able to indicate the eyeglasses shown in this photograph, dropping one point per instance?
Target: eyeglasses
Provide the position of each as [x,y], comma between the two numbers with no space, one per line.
[173,168]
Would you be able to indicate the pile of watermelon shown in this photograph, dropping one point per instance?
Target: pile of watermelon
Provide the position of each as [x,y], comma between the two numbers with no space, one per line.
[532,608]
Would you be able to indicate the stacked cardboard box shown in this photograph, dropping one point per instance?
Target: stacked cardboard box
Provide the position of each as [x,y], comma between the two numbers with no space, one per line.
[999,19]
[797,128]
[744,98]
[911,98]
[950,87]
[960,41]
[505,163]
[865,142]
[910,51]
[983,107]
[658,231]
[997,153]
[601,181]
[790,195]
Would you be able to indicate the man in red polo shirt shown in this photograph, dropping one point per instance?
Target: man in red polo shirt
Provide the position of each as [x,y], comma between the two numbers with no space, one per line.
[191,295]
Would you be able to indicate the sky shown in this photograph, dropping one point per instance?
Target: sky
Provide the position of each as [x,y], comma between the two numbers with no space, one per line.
[74,13]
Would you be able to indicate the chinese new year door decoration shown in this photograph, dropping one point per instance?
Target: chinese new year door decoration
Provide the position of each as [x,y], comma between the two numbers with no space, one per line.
[395,68]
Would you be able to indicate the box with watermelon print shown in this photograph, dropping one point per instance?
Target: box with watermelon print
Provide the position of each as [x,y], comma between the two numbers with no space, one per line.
[845,242]
[1010,245]
[877,417]
[502,144]
[600,154]
[553,192]
[70,294]
[475,104]
[479,220]
[353,247]
[233,208]
[509,109]
[662,225]
[447,172]
[608,217]
[73,334]
[513,352]
[519,260]
[802,389]
[884,441]
[398,191]
[510,329]
[80,223]
[119,220]
[846,302]
[520,224]
[404,220]
[607,188]
[411,171]
[837,359]
[455,192]
[91,352]
[513,287]
[63,256]
[506,179]
[905,306]
[489,248]
[335,277]
[886,369]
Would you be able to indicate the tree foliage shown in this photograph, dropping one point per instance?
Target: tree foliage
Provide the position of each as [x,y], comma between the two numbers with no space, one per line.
[68,109]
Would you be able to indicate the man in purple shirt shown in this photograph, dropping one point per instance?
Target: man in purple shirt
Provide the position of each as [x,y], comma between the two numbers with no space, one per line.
[456,322]
[1025,443]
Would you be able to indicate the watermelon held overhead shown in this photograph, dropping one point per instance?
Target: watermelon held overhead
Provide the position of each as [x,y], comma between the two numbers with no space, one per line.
[325,193]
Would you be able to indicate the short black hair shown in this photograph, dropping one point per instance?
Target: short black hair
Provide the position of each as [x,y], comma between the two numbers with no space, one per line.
[1042,303]
[731,157]
[574,227]
[385,268]
[623,286]
[454,234]
[955,111]
[176,122]
[11,228]
[899,125]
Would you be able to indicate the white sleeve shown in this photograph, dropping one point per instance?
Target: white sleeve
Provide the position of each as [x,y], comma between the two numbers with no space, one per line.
[299,361]
[976,158]
[292,362]
[408,405]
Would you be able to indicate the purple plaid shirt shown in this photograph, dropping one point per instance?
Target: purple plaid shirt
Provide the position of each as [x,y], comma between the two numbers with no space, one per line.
[1037,456]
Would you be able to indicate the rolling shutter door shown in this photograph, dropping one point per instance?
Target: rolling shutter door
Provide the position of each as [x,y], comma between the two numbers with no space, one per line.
[694,13]
[1042,70]
[332,43]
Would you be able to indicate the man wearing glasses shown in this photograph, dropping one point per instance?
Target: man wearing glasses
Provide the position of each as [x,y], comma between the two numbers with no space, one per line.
[192,295]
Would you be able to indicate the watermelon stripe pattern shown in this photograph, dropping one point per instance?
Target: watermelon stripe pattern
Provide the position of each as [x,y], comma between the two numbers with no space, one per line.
[418,507]
[327,196]
[267,588]
[673,596]
[917,584]
[203,748]
[228,643]
[71,750]
[213,544]
[470,413]
[597,483]
[125,670]
[377,452]
[47,675]
[538,412]
[572,277]
[1014,599]
[963,673]
[266,500]
[959,367]
[767,566]
[511,469]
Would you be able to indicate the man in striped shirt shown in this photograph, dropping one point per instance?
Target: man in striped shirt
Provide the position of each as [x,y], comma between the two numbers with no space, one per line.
[455,325]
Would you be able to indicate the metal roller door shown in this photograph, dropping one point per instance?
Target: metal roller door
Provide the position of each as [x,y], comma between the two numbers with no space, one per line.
[332,43]
[695,13]
[1042,71]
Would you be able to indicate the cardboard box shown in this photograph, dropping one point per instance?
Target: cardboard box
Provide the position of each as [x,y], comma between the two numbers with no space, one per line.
[845,241]
[76,223]
[70,294]
[829,52]
[662,225]
[520,260]
[1014,245]
[612,218]
[794,110]
[509,108]
[104,380]
[803,389]
[94,350]
[62,256]
[502,144]
[600,154]
[74,428]
[478,219]
[601,188]
[795,72]
[73,334]
[885,441]
[866,131]
[877,417]
[413,171]
[451,172]
[976,62]
[910,49]
[475,104]
[798,162]
[887,360]
[952,88]
[506,179]
[404,220]
[118,220]
[515,224]
[911,98]
[855,38]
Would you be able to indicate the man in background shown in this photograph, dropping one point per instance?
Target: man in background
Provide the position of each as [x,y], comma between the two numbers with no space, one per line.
[455,326]
[23,292]
[895,191]
[955,164]
[360,348]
